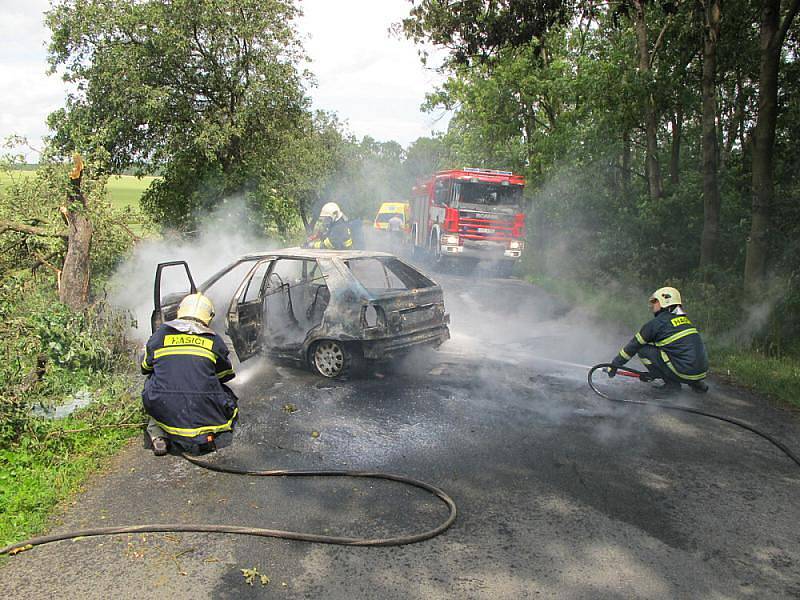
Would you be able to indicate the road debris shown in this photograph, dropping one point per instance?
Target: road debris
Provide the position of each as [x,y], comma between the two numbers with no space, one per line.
[250,576]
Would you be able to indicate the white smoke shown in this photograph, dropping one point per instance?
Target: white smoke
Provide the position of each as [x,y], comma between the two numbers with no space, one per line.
[224,236]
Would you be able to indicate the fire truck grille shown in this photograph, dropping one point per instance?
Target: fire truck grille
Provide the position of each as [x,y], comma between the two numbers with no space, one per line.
[491,229]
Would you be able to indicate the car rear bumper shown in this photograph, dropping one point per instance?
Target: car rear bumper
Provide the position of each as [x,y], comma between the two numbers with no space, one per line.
[385,347]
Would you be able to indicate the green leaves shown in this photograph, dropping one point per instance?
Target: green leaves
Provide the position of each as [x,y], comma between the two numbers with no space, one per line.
[204,91]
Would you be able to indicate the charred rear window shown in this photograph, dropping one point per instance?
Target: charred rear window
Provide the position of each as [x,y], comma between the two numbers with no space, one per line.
[382,274]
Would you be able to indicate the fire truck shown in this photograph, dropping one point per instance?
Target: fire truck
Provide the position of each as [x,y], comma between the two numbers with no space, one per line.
[469,213]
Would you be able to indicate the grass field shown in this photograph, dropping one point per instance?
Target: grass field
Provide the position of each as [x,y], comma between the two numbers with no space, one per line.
[123,190]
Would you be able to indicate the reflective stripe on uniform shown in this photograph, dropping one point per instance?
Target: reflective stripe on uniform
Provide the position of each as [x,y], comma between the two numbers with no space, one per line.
[639,338]
[676,337]
[624,354]
[328,244]
[667,361]
[348,243]
[190,433]
[225,372]
[185,351]
[646,361]
[145,366]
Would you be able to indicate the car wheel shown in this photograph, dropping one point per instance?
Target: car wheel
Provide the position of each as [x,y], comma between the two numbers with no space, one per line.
[331,359]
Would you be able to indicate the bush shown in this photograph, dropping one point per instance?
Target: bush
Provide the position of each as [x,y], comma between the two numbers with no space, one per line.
[50,352]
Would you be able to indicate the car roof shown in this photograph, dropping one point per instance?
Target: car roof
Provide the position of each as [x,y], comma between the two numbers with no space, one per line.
[314,253]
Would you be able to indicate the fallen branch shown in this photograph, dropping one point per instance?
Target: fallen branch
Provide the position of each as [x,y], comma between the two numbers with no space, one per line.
[31,230]
[128,230]
[45,260]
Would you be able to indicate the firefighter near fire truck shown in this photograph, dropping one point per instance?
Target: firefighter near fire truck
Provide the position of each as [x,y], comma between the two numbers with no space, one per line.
[187,366]
[669,345]
[470,215]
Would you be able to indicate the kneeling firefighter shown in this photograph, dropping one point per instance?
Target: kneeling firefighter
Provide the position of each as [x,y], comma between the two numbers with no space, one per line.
[187,366]
[669,345]
[335,231]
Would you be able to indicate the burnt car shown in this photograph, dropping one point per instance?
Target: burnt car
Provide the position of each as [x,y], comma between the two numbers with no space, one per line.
[321,308]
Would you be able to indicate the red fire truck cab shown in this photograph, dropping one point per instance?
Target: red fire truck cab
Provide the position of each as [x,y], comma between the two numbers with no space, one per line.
[470,214]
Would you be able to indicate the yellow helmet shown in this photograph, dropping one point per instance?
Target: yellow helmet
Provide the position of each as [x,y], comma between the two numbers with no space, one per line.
[198,307]
[667,296]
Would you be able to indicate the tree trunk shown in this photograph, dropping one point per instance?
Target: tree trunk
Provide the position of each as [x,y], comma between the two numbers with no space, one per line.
[711,199]
[737,119]
[773,33]
[650,118]
[675,154]
[626,164]
[302,210]
[73,289]
[73,285]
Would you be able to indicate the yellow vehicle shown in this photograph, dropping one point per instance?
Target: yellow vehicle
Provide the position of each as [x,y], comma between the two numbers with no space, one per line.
[390,209]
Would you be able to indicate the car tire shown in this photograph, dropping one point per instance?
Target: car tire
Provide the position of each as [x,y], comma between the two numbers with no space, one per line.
[331,359]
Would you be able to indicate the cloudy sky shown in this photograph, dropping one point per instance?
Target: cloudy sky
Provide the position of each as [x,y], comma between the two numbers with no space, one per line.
[374,81]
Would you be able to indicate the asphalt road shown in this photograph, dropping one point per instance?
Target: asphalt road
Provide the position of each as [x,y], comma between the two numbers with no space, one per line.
[560,494]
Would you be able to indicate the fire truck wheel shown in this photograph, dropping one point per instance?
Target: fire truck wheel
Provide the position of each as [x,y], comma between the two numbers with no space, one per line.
[331,358]
[437,258]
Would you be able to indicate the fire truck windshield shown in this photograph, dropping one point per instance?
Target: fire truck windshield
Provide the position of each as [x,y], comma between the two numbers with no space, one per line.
[487,194]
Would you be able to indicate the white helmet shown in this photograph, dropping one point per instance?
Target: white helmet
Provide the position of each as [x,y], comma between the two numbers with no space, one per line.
[331,211]
[667,296]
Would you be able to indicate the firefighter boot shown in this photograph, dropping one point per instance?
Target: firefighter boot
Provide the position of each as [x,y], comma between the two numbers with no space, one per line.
[160,446]
[668,388]
[699,387]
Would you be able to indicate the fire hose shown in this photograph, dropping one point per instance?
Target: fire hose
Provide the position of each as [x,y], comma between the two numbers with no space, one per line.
[351,541]
[643,376]
[260,532]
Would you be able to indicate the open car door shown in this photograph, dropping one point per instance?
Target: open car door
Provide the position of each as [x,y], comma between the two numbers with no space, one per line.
[246,312]
[180,285]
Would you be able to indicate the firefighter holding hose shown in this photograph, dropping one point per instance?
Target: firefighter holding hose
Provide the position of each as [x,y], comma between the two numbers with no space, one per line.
[669,345]
[187,365]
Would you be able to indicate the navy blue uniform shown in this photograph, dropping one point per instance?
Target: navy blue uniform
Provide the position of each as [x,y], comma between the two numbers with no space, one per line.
[338,237]
[670,347]
[187,365]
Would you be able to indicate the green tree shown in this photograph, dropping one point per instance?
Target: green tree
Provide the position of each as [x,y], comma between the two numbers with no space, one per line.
[474,30]
[775,22]
[202,92]
[313,158]
[423,156]
[46,224]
